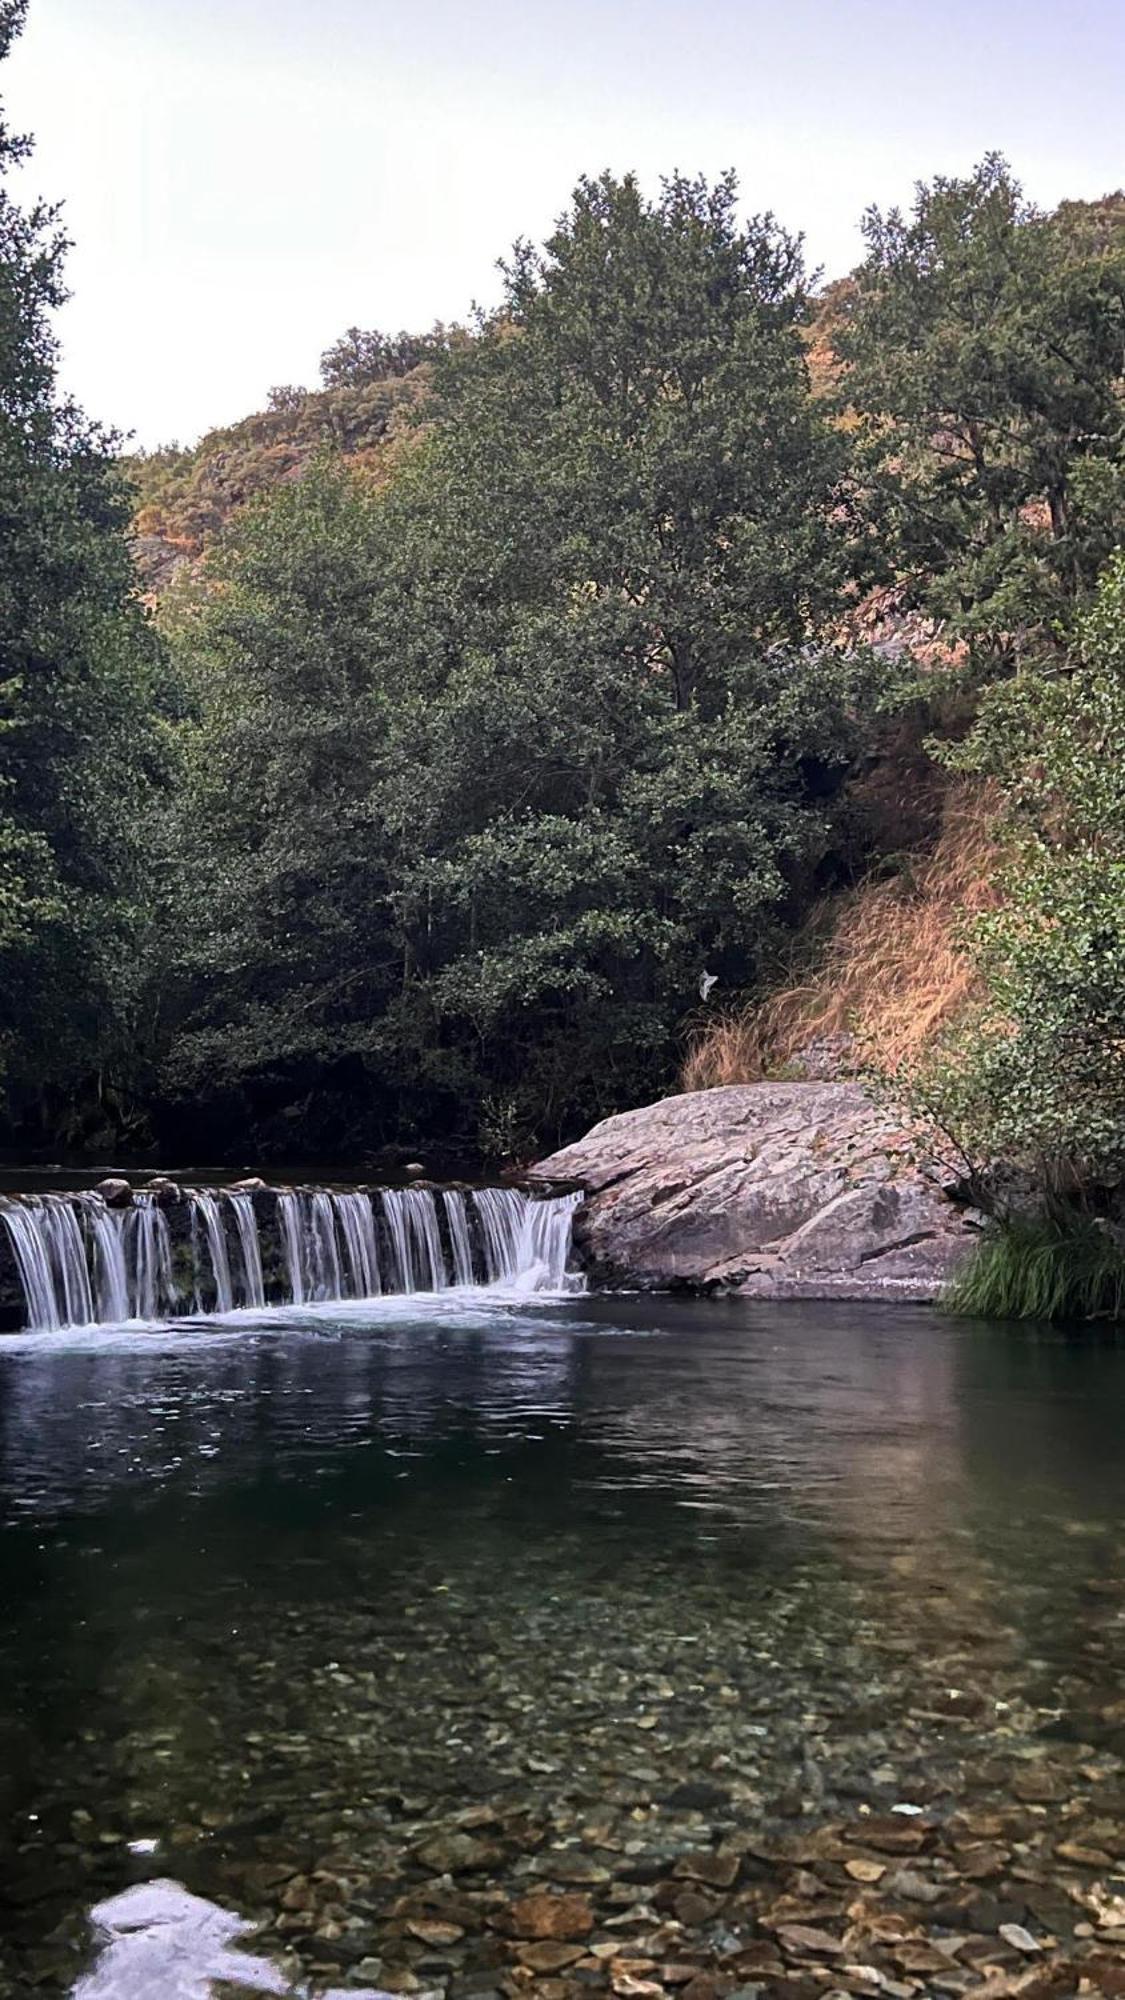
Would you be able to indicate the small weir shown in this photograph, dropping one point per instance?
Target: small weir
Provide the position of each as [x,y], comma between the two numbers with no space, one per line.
[80,1262]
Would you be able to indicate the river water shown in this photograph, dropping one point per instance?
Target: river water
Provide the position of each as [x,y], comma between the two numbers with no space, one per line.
[734,1625]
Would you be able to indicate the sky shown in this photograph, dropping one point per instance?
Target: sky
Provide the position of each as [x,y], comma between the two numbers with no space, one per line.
[244,179]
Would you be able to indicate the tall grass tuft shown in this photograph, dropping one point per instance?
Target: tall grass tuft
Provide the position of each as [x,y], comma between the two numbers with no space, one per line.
[890,973]
[1059,1267]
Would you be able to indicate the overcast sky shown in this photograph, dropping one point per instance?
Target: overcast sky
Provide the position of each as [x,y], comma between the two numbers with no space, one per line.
[246,178]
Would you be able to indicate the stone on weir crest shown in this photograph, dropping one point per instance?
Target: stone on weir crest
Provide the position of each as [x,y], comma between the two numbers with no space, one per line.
[784,1190]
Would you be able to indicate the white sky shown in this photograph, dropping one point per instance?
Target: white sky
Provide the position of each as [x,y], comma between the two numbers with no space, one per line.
[246,178]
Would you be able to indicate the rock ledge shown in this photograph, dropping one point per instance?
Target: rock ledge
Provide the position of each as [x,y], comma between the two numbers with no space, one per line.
[776,1190]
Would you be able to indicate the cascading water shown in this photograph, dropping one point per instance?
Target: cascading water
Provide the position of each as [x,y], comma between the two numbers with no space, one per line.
[67,1255]
[357,1227]
[412,1215]
[501,1219]
[217,1251]
[111,1278]
[397,1218]
[324,1255]
[149,1240]
[292,1243]
[32,1252]
[246,1223]
[461,1243]
[80,1262]
[544,1243]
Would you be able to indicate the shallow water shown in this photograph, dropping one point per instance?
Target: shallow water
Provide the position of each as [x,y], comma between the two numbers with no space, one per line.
[591,1585]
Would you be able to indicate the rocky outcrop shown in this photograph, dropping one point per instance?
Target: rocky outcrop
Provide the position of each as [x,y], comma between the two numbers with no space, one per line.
[782,1190]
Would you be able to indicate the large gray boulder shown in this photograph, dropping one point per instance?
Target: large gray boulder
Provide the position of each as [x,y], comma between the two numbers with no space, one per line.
[785,1190]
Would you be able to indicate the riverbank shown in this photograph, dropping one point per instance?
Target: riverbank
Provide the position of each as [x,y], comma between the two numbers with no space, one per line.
[772,1190]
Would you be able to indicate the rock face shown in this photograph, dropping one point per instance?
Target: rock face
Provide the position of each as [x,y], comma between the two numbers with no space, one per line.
[783,1190]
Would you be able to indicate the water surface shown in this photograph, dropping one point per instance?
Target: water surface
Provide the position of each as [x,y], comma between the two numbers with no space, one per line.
[291,1602]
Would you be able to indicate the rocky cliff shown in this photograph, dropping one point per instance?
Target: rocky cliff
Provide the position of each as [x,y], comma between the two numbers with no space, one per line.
[784,1190]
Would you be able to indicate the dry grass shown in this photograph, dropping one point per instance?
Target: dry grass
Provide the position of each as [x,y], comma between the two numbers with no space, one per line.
[889,975]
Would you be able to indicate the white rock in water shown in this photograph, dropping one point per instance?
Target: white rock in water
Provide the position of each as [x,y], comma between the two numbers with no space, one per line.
[163,1943]
[163,1940]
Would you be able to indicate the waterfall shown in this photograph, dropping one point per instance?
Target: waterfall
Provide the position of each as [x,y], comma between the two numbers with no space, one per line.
[397,1218]
[67,1255]
[501,1218]
[246,1223]
[79,1262]
[149,1239]
[324,1255]
[29,1242]
[461,1242]
[421,1211]
[357,1227]
[111,1277]
[207,1207]
[544,1248]
[292,1243]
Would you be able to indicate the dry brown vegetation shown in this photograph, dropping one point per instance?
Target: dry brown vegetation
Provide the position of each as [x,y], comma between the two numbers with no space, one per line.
[889,969]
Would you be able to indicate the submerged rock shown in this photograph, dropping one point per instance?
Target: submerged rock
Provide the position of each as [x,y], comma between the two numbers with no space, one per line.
[784,1190]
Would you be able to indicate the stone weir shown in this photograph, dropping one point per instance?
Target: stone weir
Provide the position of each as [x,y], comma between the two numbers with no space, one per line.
[773,1190]
[113,1254]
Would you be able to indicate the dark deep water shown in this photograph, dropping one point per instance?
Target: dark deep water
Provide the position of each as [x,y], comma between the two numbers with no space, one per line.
[294,1603]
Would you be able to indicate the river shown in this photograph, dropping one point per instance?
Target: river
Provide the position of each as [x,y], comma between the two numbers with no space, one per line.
[711,1623]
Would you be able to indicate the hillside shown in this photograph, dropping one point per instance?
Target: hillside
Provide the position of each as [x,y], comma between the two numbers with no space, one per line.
[185,496]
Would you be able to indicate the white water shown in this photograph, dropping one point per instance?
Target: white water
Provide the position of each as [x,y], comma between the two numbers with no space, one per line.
[245,1221]
[216,1248]
[356,1218]
[461,1243]
[81,1263]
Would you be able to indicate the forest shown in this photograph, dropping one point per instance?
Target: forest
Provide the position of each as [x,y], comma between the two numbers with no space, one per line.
[401,766]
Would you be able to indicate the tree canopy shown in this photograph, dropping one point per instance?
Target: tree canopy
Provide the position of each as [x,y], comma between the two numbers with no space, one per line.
[983,349]
[534,734]
[79,736]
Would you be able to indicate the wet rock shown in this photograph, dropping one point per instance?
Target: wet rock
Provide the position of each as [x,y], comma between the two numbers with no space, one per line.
[549,1956]
[429,1931]
[457,1854]
[892,1835]
[115,1193]
[542,1915]
[699,1795]
[861,1869]
[165,1193]
[715,1871]
[691,1907]
[1020,1939]
[1037,1786]
[804,1941]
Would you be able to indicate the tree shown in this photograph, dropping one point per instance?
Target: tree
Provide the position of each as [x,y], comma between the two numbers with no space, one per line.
[983,352]
[359,358]
[503,754]
[79,750]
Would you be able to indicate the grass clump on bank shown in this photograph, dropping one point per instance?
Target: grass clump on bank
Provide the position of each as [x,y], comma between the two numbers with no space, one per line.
[1057,1267]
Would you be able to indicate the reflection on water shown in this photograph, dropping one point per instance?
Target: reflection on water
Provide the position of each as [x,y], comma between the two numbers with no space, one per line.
[366,1624]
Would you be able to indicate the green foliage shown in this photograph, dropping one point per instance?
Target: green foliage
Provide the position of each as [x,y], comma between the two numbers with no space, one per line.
[78,678]
[1038,1074]
[983,349]
[1064,1267]
[358,359]
[497,757]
